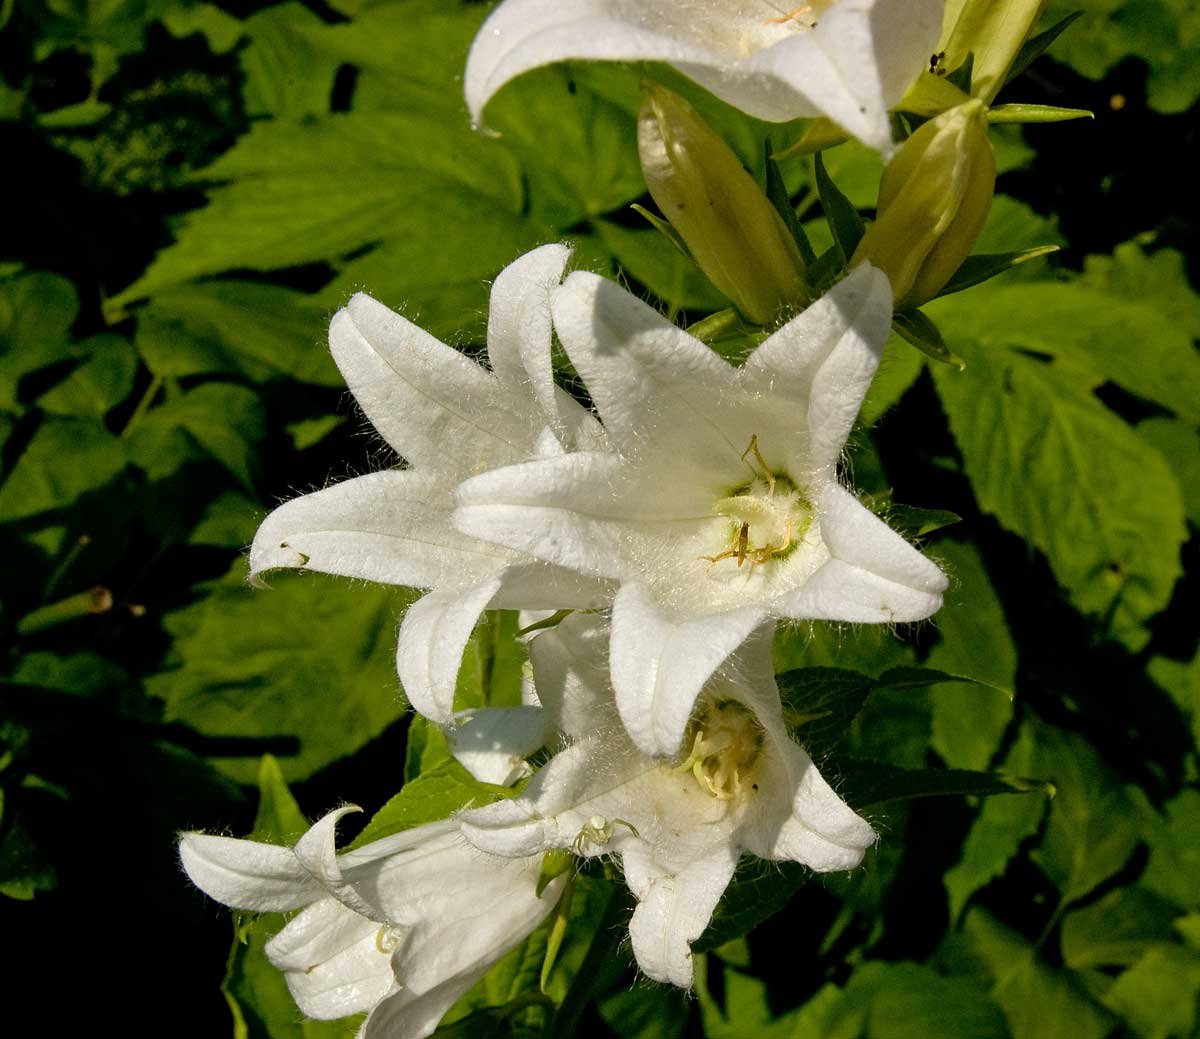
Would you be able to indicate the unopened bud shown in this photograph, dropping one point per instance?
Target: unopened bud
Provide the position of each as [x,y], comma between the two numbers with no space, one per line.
[933,200]
[730,227]
[994,31]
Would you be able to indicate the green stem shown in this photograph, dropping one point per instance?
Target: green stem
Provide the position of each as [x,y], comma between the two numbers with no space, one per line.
[610,932]
[143,405]
[93,601]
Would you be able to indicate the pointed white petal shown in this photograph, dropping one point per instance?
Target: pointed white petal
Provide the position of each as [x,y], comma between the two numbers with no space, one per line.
[409,1015]
[673,910]
[875,576]
[570,671]
[333,961]
[656,387]
[247,874]
[801,818]
[492,743]
[856,62]
[433,635]
[823,361]
[659,664]
[519,339]
[317,853]
[437,408]
[392,527]
[583,511]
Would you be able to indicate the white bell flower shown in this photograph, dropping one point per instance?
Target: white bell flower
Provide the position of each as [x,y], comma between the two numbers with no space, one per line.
[849,60]
[448,417]
[741,784]
[399,928]
[717,504]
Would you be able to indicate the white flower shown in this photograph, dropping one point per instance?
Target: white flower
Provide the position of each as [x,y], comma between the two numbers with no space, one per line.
[448,418]
[717,505]
[400,928]
[850,60]
[678,827]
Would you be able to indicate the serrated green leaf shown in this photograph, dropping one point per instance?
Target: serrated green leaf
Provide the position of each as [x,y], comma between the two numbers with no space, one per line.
[1038,1000]
[1057,468]
[1179,443]
[1157,995]
[898,370]
[646,1012]
[236,328]
[434,795]
[996,835]
[757,892]
[310,661]
[1157,279]
[1174,851]
[66,458]
[1118,930]
[733,1005]
[101,380]
[648,256]
[36,311]
[297,192]
[287,72]
[820,702]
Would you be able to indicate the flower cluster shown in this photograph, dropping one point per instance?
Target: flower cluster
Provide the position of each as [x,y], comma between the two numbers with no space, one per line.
[660,535]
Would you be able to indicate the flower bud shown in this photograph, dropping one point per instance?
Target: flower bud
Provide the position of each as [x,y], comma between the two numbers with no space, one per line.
[994,31]
[933,200]
[733,232]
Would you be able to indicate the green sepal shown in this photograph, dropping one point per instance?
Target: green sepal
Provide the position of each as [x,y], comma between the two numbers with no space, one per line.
[555,863]
[1020,113]
[914,327]
[843,219]
[932,94]
[777,195]
[819,135]
[866,785]
[1035,46]
[664,228]
[961,76]
[558,924]
[914,522]
[979,268]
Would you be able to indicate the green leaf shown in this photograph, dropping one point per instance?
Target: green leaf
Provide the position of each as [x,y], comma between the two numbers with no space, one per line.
[820,702]
[283,41]
[1034,47]
[1179,444]
[492,665]
[843,219]
[916,328]
[757,892]
[866,785]
[1118,930]
[310,662]
[66,458]
[1024,113]
[298,192]
[1057,468]
[1162,33]
[1157,279]
[734,1005]
[651,258]
[974,640]
[236,328]
[1181,681]
[984,266]
[898,370]
[777,194]
[913,522]
[24,870]
[224,419]
[1157,995]
[36,312]
[998,832]
[1038,1000]
[646,1012]
[1174,851]
[906,1000]
[102,379]
[434,795]
[278,819]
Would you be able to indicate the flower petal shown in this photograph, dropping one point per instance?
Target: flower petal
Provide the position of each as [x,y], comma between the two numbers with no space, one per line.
[492,743]
[673,910]
[651,382]
[332,961]
[247,874]
[823,361]
[433,635]
[659,664]
[392,527]
[519,340]
[874,576]
[436,407]
[316,851]
[570,671]
[583,511]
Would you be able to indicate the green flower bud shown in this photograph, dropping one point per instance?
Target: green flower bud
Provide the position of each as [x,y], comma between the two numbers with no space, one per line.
[733,232]
[994,31]
[933,200]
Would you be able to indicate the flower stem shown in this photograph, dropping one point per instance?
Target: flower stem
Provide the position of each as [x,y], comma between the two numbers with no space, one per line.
[93,601]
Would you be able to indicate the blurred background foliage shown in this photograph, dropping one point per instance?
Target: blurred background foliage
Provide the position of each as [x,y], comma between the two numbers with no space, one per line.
[195,187]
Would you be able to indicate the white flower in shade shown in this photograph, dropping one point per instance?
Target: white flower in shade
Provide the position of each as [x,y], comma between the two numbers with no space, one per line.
[399,928]
[448,418]
[717,504]
[741,784]
[849,60]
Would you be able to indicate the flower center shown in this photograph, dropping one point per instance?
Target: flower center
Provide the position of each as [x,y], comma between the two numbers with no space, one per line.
[769,516]
[725,742]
